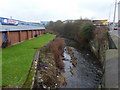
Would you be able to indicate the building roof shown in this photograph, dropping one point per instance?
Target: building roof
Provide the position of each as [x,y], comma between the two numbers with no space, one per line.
[7,24]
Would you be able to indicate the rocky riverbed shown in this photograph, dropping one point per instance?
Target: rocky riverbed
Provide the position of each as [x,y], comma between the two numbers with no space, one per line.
[80,69]
[84,74]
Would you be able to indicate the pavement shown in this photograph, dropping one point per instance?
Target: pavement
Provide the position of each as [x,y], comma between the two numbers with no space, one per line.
[111,64]
[115,32]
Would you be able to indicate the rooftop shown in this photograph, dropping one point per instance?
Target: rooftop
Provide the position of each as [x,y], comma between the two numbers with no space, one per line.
[7,24]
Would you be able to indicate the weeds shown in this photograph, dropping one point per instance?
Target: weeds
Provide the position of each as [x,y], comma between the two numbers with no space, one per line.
[57,48]
[49,67]
[100,42]
[73,58]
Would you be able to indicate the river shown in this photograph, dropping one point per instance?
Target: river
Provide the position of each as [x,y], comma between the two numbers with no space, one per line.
[87,73]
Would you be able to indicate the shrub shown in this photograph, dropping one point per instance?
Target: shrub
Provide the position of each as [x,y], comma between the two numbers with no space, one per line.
[100,33]
[85,34]
[79,30]
[57,48]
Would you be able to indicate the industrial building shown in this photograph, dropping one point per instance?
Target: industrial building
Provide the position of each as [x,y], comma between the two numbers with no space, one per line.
[14,31]
[100,22]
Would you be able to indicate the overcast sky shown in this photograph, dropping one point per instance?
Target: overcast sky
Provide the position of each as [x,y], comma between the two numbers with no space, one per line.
[46,10]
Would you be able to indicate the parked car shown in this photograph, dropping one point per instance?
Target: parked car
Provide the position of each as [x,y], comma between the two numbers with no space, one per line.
[116,27]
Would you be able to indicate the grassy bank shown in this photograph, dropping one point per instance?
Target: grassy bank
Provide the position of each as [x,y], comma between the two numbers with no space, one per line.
[16,60]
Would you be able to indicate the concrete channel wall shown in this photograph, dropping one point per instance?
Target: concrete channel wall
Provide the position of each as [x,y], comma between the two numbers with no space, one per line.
[109,59]
[111,64]
[110,78]
[107,53]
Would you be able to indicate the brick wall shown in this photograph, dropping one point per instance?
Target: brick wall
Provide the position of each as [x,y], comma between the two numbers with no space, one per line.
[0,38]
[33,33]
[43,31]
[14,37]
[29,34]
[40,33]
[23,35]
[18,36]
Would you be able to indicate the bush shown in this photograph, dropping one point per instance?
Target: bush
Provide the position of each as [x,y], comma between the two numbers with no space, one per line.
[57,48]
[79,30]
[100,33]
[85,34]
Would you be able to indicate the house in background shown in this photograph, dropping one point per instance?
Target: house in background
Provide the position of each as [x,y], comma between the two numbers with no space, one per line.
[14,31]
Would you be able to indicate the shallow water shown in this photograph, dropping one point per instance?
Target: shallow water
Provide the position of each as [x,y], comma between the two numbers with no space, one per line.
[84,75]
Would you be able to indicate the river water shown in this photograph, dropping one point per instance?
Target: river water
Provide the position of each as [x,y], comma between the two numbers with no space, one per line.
[86,74]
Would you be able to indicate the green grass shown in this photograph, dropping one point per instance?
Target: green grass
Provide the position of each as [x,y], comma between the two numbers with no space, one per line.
[16,60]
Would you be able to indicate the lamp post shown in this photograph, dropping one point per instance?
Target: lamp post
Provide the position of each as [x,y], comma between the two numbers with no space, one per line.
[114,15]
[119,15]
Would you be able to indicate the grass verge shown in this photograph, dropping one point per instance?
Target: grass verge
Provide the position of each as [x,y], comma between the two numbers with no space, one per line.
[16,60]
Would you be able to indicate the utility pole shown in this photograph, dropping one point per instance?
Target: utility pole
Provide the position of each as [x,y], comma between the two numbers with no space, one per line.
[119,15]
[114,15]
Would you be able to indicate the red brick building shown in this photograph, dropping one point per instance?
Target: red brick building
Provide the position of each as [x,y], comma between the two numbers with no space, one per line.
[15,31]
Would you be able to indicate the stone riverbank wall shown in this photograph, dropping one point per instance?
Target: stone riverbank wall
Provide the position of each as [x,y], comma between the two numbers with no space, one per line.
[105,49]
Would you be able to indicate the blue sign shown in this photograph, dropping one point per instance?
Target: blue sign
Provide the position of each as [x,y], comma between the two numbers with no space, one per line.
[6,21]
